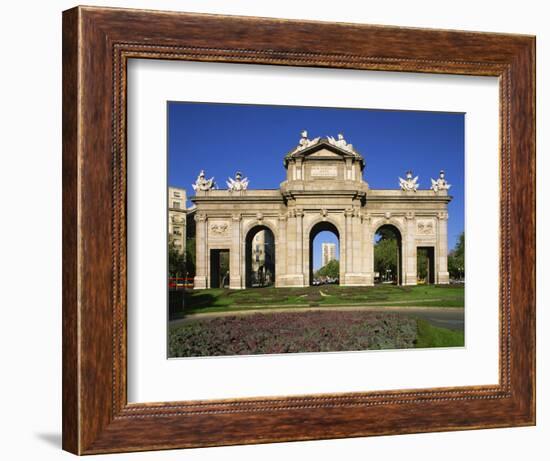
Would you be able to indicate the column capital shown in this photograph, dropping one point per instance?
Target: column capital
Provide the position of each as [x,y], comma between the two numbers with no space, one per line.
[200,217]
[236,217]
[442,215]
[349,212]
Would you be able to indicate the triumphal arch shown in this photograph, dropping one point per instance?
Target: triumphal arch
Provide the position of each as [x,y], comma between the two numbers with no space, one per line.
[324,190]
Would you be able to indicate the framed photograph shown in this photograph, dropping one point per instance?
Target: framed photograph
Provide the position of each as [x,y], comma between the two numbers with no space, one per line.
[281,230]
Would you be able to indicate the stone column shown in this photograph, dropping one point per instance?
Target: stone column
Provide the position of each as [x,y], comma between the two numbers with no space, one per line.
[280,252]
[347,245]
[299,170]
[236,280]
[300,245]
[357,246]
[348,174]
[201,270]
[441,249]
[408,242]
[368,249]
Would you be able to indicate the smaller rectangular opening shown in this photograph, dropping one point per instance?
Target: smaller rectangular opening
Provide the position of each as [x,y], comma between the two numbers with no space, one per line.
[219,268]
[425,265]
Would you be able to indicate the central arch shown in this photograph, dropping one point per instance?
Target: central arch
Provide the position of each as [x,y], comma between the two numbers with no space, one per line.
[323,226]
[388,255]
[259,257]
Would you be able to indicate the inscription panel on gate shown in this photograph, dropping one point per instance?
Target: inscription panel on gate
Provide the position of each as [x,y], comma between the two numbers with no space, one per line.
[324,171]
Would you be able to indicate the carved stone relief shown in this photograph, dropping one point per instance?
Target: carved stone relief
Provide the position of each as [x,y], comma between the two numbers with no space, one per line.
[219,228]
[425,227]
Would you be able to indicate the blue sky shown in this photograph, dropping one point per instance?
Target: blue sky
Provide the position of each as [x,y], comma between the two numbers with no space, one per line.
[224,138]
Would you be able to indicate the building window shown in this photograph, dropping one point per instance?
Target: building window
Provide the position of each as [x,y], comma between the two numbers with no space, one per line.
[175,204]
[177,194]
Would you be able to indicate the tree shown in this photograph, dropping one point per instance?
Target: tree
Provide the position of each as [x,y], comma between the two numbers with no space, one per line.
[190,256]
[422,263]
[385,255]
[455,260]
[176,261]
[330,269]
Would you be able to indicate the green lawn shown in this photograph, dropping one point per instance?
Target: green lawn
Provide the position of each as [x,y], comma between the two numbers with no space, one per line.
[430,336]
[222,300]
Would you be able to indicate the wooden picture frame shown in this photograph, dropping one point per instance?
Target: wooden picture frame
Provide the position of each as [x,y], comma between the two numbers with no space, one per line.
[97,43]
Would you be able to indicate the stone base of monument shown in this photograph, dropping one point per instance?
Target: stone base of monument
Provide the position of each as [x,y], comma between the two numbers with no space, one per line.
[442,278]
[295,280]
[357,280]
[236,283]
[200,283]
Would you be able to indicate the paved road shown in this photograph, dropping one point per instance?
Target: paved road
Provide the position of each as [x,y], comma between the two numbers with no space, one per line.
[445,317]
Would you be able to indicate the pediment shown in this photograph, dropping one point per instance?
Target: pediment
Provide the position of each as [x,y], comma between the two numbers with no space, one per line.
[324,148]
[324,152]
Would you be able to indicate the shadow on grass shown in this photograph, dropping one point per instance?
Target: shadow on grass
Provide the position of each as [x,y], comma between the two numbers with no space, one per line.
[180,302]
[195,301]
[429,335]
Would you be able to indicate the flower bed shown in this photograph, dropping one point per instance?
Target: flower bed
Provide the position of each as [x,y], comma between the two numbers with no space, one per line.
[290,332]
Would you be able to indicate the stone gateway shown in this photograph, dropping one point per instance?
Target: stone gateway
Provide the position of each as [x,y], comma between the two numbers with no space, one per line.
[324,190]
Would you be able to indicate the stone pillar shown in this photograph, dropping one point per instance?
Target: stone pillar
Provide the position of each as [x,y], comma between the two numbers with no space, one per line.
[292,250]
[347,247]
[408,243]
[357,246]
[236,279]
[348,175]
[299,170]
[368,250]
[300,245]
[441,249]
[349,240]
[280,252]
[201,270]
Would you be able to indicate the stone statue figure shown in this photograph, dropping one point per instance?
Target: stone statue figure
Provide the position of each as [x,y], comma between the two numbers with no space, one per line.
[409,183]
[237,184]
[341,143]
[203,184]
[441,183]
[305,141]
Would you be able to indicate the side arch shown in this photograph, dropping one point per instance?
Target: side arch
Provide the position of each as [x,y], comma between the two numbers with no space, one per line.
[267,224]
[389,226]
[388,222]
[259,267]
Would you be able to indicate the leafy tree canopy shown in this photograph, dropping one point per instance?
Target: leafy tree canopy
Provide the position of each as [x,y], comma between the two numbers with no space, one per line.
[331,269]
[455,260]
[176,261]
[385,256]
